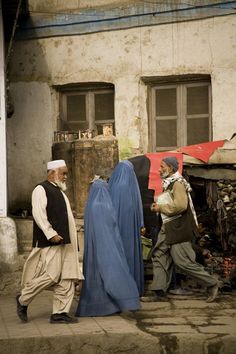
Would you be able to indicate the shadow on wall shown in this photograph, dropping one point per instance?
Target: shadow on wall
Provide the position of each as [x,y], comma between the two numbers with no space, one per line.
[30,128]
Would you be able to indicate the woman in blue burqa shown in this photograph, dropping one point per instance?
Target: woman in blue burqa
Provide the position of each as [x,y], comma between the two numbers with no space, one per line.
[108,286]
[126,198]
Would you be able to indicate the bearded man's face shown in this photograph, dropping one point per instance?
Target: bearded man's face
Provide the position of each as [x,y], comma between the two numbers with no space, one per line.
[165,170]
[60,177]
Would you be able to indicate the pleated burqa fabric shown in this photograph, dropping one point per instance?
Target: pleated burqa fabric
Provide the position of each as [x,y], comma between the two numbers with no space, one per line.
[108,286]
[126,198]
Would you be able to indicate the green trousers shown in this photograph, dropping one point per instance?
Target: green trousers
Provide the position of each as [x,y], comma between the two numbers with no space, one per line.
[164,257]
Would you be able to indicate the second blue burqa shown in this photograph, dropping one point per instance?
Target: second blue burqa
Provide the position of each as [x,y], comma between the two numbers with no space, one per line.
[108,286]
[126,198]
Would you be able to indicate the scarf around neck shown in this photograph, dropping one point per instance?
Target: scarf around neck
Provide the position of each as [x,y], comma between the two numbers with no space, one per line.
[178,177]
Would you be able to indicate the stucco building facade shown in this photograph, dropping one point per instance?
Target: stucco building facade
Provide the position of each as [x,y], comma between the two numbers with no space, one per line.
[143,57]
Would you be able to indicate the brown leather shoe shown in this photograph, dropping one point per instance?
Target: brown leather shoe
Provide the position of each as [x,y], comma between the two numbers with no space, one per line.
[21,310]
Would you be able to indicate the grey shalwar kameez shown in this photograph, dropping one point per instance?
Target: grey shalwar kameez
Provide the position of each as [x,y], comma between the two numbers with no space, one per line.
[164,255]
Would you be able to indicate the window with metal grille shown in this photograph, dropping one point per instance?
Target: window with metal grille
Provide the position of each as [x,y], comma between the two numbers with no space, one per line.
[180,115]
[85,107]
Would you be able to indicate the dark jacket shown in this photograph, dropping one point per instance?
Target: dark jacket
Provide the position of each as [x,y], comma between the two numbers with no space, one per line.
[56,214]
[181,229]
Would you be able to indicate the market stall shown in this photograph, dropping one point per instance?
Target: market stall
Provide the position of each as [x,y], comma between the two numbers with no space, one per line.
[211,170]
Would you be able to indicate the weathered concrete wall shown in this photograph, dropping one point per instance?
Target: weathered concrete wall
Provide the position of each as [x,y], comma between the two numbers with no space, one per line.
[8,244]
[73,5]
[29,140]
[60,5]
[122,58]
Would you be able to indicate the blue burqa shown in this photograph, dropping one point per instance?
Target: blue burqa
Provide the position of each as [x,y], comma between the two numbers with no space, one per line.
[126,198]
[108,286]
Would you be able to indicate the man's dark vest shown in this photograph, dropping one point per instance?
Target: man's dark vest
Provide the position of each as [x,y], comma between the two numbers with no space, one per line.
[56,214]
[181,229]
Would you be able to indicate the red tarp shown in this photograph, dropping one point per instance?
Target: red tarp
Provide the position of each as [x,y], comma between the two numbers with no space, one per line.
[199,151]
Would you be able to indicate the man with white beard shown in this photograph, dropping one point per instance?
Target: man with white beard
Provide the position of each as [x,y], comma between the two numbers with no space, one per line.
[179,228]
[54,259]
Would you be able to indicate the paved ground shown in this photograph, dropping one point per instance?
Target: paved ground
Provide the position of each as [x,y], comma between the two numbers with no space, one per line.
[183,325]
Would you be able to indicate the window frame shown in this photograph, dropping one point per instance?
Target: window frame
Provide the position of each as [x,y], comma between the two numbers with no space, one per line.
[181,107]
[89,92]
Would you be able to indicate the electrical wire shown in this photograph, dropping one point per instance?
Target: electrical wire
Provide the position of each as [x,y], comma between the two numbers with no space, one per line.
[12,34]
[117,18]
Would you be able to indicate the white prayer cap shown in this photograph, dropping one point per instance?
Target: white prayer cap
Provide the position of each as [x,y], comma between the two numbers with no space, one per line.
[52,165]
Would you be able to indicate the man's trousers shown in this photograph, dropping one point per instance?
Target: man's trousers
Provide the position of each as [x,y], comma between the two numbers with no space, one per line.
[63,289]
[164,257]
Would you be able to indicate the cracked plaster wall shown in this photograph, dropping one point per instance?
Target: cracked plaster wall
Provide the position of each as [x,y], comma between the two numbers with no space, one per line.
[118,57]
